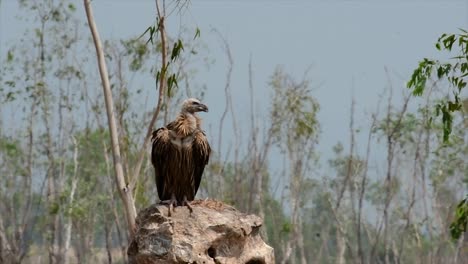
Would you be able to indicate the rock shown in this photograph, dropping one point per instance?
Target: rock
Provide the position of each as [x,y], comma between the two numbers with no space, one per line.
[213,233]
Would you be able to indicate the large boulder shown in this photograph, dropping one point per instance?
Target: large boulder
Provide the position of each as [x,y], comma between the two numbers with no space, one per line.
[213,233]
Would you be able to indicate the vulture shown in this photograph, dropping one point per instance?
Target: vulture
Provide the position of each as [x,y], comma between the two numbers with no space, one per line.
[179,155]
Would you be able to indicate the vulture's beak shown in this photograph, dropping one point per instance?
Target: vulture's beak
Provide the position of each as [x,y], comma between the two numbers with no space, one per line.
[203,108]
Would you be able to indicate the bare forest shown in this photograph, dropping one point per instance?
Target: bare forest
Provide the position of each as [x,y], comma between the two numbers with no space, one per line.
[75,130]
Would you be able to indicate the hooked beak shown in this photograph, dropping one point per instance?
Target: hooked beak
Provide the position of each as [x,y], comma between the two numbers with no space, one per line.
[203,108]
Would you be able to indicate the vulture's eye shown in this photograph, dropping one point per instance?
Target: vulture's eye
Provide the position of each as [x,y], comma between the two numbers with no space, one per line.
[196,103]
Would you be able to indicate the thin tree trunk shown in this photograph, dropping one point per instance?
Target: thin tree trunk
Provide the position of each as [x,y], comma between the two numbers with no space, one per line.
[68,226]
[52,190]
[391,133]
[294,202]
[341,247]
[124,190]
[5,247]
[227,94]
[350,159]
[108,243]
[113,206]
[361,254]
[258,175]
[300,241]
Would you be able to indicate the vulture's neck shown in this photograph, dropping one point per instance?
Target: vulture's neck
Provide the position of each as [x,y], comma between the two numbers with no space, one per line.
[187,123]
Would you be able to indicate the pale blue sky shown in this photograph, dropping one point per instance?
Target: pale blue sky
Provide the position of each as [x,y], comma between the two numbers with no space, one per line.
[347,44]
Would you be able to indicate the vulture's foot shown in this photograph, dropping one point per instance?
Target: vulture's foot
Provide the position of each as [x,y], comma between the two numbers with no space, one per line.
[187,203]
[172,203]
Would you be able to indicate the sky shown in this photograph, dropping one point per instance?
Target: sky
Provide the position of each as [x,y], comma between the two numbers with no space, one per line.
[346,44]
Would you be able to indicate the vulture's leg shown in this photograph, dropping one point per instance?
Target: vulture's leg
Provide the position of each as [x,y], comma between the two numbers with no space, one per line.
[187,203]
[172,203]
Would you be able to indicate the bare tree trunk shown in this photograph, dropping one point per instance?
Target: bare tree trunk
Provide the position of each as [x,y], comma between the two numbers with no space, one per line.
[350,159]
[68,226]
[256,159]
[392,131]
[53,223]
[108,243]
[6,248]
[124,190]
[407,215]
[425,197]
[300,241]
[259,155]
[341,247]
[227,92]
[294,183]
[361,254]
[123,248]
[324,245]
[52,190]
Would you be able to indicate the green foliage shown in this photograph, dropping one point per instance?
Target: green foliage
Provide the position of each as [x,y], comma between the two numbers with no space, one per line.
[286,227]
[143,198]
[54,208]
[12,157]
[171,83]
[294,111]
[171,79]
[9,56]
[138,52]
[153,31]
[460,223]
[454,71]
[177,49]
[91,152]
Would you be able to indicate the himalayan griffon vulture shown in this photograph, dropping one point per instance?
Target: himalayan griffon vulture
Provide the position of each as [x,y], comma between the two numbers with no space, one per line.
[179,154]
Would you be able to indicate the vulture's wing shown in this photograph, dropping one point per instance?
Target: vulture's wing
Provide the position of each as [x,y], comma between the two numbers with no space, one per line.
[201,153]
[161,144]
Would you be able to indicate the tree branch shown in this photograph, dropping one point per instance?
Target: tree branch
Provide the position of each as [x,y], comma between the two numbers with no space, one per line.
[162,88]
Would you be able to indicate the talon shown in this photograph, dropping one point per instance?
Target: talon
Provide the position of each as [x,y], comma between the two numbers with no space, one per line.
[172,203]
[187,203]
[169,209]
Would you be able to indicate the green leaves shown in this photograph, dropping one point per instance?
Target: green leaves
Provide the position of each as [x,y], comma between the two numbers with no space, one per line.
[9,56]
[171,82]
[447,119]
[286,227]
[443,70]
[453,71]
[72,7]
[294,111]
[54,208]
[447,41]
[138,51]
[197,33]
[152,31]
[164,75]
[178,47]
[460,223]
[420,76]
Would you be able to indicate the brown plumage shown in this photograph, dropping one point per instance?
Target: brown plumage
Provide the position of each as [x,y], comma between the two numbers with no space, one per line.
[179,155]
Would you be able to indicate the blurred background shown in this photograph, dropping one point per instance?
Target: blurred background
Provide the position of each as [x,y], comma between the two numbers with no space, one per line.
[311,123]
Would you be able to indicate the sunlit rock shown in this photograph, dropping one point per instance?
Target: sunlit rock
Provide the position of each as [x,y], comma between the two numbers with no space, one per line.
[213,233]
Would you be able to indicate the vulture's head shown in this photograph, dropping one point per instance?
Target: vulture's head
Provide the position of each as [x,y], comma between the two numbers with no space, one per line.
[193,105]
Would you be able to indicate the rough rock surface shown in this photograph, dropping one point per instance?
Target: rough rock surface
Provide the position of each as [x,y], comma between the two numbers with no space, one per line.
[212,233]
